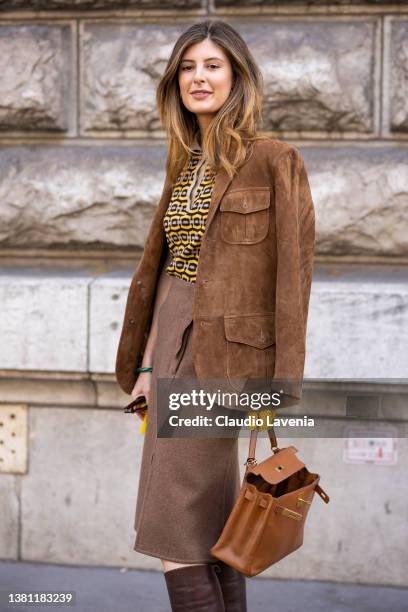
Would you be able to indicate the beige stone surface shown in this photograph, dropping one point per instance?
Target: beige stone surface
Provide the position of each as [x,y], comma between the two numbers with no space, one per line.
[319,75]
[107,299]
[121,67]
[44,322]
[89,196]
[398,70]
[43,387]
[77,502]
[35,64]
[100,4]
[358,328]
[361,199]
[98,196]
[288,3]
[73,324]
[9,509]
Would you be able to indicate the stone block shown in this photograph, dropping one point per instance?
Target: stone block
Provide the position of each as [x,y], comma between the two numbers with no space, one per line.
[42,387]
[319,76]
[398,75]
[358,326]
[121,67]
[9,523]
[147,5]
[35,63]
[69,196]
[78,500]
[44,321]
[237,4]
[107,307]
[361,199]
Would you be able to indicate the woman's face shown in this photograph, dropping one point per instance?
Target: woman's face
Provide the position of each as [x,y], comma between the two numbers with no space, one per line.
[205,67]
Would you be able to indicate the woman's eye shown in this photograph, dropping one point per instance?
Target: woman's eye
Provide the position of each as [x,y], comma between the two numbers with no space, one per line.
[210,65]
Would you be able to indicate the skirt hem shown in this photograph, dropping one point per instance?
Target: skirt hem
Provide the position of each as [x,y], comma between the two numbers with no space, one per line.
[167,557]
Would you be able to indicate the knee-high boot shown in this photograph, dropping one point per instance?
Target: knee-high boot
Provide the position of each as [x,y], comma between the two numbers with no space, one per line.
[194,588]
[233,588]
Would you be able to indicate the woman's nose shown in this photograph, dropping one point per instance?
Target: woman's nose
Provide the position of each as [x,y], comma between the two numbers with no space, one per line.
[198,76]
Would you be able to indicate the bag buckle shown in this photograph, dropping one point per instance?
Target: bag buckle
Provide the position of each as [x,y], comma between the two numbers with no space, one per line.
[289,513]
[301,500]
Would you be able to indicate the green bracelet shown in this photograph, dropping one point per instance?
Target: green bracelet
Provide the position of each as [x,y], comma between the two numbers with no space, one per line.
[146,369]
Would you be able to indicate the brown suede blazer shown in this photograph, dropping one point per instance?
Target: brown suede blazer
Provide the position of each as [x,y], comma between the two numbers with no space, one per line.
[253,279]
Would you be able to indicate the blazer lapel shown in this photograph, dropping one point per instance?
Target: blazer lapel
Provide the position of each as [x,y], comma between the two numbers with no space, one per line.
[221,184]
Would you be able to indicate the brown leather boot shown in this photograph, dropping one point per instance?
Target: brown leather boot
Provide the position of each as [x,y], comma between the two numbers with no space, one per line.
[233,587]
[194,588]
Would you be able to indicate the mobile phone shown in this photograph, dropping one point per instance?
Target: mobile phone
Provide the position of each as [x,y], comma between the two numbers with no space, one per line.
[137,405]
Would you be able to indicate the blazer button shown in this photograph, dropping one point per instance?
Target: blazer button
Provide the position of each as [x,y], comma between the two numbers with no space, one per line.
[131,321]
[139,282]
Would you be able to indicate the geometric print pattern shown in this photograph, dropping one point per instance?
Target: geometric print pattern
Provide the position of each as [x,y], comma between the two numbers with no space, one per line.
[186,216]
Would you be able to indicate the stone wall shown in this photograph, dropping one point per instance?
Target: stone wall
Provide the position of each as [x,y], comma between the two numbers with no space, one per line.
[81,170]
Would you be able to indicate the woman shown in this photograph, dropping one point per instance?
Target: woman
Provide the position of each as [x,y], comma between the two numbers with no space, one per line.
[221,292]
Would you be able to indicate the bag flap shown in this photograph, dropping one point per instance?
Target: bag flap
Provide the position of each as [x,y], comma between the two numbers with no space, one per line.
[279,466]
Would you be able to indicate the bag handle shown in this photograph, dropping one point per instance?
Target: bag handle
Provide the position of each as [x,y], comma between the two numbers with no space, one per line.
[251,461]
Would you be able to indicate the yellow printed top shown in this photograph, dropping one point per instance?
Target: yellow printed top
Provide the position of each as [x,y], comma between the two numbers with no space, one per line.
[185,219]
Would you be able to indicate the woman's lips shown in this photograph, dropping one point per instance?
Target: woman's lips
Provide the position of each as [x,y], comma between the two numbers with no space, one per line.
[201,95]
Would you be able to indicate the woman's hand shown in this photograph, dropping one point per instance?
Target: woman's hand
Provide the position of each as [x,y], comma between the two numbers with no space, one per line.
[143,381]
[142,387]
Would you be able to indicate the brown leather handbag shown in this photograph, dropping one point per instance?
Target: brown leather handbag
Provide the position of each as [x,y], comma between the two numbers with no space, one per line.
[268,518]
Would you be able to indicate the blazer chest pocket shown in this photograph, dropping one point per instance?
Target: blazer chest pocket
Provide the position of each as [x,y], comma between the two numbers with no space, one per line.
[245,216]
[251,345]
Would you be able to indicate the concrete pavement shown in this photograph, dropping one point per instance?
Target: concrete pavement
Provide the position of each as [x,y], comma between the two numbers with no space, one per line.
[104,589]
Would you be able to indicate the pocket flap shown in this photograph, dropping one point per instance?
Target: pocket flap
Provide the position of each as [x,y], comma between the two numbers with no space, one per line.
[253,329]
[246,201]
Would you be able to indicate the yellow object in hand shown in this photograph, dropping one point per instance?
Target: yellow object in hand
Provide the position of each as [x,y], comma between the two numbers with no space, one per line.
[263,416]
[143,425]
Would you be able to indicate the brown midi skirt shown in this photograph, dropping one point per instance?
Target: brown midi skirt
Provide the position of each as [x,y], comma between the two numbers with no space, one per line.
[187,486]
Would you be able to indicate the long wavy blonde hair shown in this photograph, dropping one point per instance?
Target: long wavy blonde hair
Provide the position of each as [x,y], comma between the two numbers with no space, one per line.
[235,123]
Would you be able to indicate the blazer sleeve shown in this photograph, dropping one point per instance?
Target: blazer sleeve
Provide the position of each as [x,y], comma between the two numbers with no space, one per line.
[295,236]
